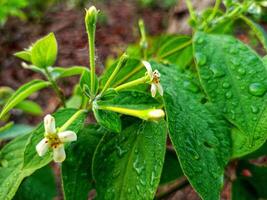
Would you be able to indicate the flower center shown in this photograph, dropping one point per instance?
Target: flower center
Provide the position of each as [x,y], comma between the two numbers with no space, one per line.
[156,77]
[53,140]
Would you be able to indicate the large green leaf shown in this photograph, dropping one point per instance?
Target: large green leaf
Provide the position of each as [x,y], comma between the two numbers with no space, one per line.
[30,107]
[235,79]
[128,165]
[200,138]
[85,83]
[19,158]
[60,72]
[40,185]
[15,130]
[44,51]
[76,169]
[22,93]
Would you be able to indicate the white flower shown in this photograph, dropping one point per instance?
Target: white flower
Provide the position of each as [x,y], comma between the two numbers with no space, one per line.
[54,139]
[155,114]
[154,78]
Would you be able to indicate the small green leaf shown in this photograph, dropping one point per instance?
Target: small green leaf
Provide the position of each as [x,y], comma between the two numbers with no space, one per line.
[76,170]
[22,93]
[44,51]
[258,30]
[29,107]
[85,83]
[40,185]
[110,120]
[235,80]
[201,138]
[128,165]
[15,130]
[60,72]
[24,55]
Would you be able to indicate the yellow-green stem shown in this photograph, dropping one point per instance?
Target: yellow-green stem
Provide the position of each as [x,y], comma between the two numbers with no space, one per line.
[131,84]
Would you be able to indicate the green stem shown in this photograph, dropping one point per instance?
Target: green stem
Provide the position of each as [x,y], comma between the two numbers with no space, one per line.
[130,84]
[114,73]
[71,120]
[191,10]
[55,87]
[176,49]
[91,39]
[143,41]
[215,9]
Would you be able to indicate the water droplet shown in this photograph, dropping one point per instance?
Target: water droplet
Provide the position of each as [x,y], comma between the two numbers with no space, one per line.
[228,94]
[129,190]
[201,59]
[120,151]
[193,153]
[257,89]
[254,109]
[241,71]
[217,72]
[200,40]
[226,85]
[136,166]
[116,173]
[188,85]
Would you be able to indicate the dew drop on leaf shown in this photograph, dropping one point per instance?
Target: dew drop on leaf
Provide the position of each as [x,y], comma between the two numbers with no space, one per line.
[226,85]
[228,95]
[188,85]
[254,109]
[201,59]
[217,72]
[257,89]
[241,71]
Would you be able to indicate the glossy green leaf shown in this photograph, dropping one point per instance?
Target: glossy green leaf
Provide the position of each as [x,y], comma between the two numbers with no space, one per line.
[74,101]
[200,138]
[235,79]
[29,107]
[40,185]
[60,72]
[44,51]
[258,30]
[76,169]
[24,55]
[22,93]
[15,130]
[19,158]
[128,165]
[171,168]
[110,120]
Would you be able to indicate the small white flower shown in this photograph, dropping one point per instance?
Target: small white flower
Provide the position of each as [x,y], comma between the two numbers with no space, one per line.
[54,139]
[154,78]
[155,114]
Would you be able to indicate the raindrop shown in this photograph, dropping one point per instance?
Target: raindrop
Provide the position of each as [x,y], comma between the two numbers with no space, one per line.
[257,89]
[200,40]
[120,151]
[116,173]
[188,85]
[217,71]
[228,95]
[254,109]
[137,168]
[226,85]
[201,59]
[241,71]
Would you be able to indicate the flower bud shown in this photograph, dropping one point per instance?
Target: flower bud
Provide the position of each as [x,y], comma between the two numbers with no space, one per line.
[156,114]
[91,17]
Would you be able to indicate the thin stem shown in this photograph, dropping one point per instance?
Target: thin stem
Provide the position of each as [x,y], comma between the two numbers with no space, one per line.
[215,9]
[130,84]
[114,73]
[91,39]
[143,41]
[176,49]
[137,69]
[55,87]
[71,120]
[191,10]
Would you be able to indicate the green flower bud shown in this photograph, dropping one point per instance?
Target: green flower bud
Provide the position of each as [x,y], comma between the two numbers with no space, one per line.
[91,17]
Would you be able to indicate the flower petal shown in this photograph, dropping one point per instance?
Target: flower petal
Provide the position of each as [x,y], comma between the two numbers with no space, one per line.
[153,89]
[42,147]
[49,124]
[148,68]
[160,89]
[59,154]
[155,114]
[67,136]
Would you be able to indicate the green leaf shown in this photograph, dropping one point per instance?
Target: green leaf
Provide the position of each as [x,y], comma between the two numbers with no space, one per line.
[40,185]
[85,83]
[22,93]
[76,170]
[24,55]
[110,120]
[235,79]
[175,49]
[128,165]
[19,158]
[240,191]
[258,30]
[60,72]
[171,168]
[200,138]
[30,107]
[74,101]
[15,130]
[44,51]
